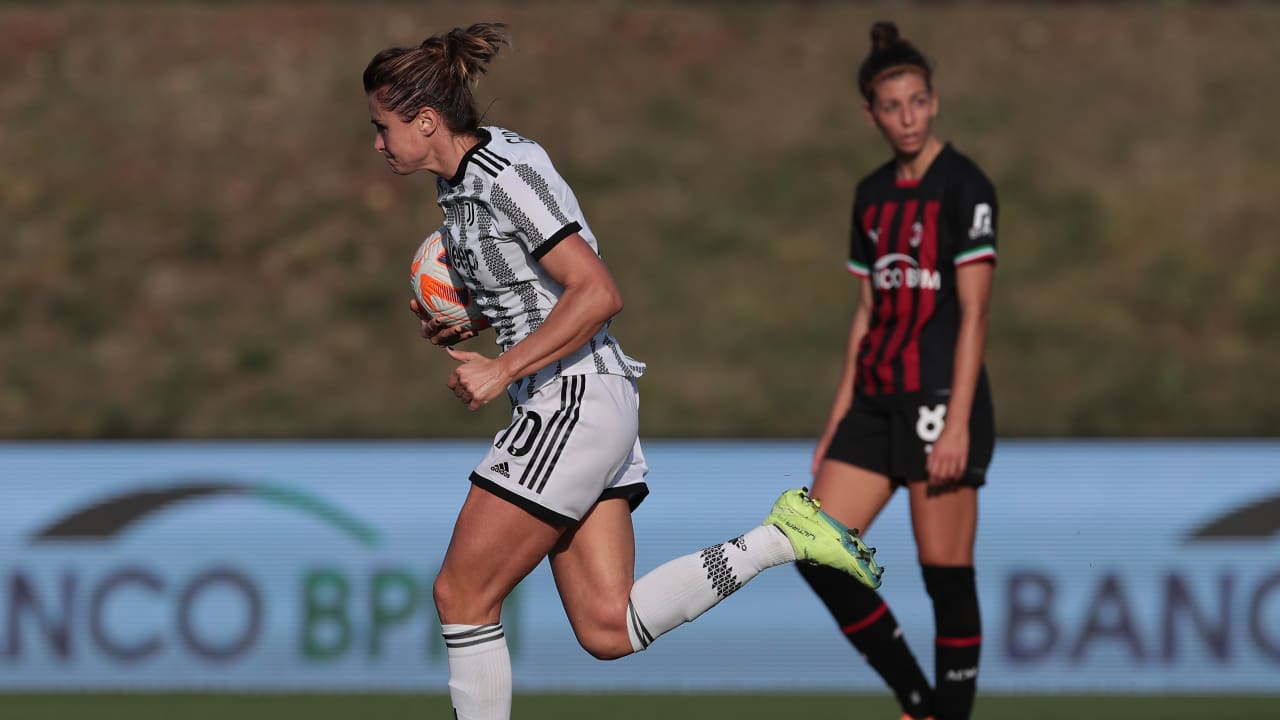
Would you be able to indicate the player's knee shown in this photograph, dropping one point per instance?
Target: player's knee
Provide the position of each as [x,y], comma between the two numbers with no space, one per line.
[458,601]
[947,555]
[943,549]
[944,558]
[453,602]
[603,635]
[442,592]
[605,646]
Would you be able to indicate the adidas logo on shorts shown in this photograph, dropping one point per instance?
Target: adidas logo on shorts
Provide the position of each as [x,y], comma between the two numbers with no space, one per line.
[501,469]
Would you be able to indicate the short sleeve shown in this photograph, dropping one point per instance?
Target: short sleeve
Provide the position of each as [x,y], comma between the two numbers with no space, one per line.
[531,199]
[859,262]
[975,216]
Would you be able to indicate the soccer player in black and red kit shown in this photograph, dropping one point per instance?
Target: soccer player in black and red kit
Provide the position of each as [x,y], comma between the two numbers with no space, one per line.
[913,406]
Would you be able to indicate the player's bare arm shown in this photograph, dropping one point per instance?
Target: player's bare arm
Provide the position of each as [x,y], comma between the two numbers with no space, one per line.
[844,390]
[950,453]
[589,300]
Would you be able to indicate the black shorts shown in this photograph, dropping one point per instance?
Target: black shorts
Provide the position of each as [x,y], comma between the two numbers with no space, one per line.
[892,434]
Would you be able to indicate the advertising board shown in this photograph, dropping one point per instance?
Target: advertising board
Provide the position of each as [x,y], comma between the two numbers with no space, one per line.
[1102,567]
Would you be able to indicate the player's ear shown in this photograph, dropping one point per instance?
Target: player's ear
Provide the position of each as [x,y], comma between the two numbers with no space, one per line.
[427,121]
[871,116]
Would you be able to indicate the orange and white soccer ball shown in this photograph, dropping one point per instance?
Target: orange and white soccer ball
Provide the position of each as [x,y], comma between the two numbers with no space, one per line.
[439,288]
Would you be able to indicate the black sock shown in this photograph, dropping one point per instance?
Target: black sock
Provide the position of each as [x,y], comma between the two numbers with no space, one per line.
[866,621]
[958,624]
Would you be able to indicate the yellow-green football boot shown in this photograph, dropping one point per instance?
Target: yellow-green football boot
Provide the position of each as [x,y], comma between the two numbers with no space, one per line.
[821,539]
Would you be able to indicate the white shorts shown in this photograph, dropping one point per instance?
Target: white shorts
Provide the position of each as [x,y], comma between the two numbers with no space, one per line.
[571,445]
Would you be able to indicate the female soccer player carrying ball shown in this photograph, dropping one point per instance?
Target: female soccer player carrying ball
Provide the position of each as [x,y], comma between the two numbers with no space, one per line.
[913,406]
[561,480]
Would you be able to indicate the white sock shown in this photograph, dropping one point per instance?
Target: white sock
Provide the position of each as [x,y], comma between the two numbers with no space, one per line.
[682,589]
[479,671]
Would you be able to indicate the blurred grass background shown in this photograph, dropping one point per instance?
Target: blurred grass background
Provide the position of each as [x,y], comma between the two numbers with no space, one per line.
[197,239]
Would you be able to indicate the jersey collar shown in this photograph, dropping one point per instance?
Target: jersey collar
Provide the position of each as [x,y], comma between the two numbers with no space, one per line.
[937,160]
[485,137]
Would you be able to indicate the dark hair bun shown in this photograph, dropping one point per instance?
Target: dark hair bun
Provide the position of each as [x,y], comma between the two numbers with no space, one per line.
[889,53]
[884,35]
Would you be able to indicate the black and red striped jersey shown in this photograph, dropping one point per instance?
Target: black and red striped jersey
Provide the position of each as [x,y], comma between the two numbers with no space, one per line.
[908,239]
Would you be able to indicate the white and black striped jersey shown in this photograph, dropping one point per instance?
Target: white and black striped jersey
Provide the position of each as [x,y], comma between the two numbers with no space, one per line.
[504,209]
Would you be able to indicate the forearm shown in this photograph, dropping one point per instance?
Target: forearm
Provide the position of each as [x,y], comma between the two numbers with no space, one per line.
[844,391]
[578,315]
[973,287]
[967,366]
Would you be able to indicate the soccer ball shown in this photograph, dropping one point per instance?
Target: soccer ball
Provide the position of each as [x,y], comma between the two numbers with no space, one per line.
[439,288]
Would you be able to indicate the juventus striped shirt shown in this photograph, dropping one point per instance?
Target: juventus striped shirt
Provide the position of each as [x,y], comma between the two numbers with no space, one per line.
[504,209]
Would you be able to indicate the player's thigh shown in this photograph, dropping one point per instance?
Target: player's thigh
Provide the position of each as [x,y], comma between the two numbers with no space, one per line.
[945,524]
[483,565]
[853,480]
[594,568]
[851,494]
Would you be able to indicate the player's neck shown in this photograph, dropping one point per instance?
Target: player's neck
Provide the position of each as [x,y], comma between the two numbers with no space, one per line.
[449,158]
[913,167]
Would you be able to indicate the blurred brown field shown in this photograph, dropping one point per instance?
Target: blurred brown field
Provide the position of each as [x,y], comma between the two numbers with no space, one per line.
[197,239]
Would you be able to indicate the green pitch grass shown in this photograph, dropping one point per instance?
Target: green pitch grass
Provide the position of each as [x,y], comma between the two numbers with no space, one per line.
[614,707]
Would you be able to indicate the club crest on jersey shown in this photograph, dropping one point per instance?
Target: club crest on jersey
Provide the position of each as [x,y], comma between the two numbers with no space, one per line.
[897,270]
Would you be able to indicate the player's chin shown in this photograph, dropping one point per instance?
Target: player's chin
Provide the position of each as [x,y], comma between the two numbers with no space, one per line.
[909,144]
[397,168]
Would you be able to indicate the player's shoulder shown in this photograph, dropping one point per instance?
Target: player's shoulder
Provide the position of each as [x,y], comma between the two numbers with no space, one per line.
[514,147]
[877,181]
[518,162]
[963,169]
